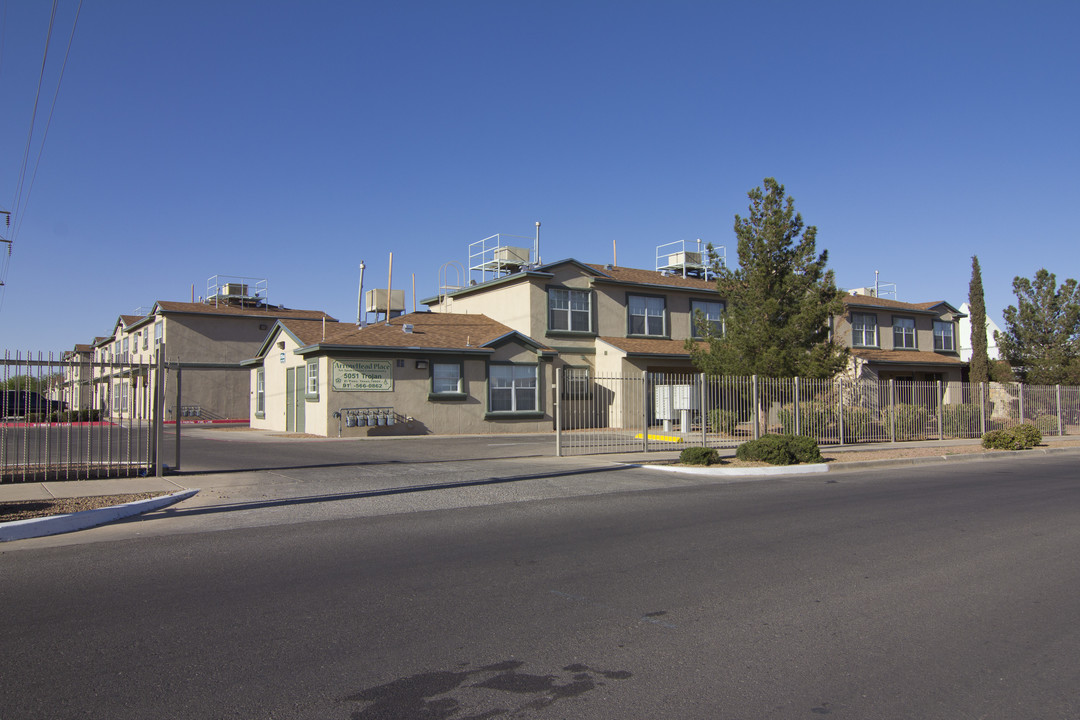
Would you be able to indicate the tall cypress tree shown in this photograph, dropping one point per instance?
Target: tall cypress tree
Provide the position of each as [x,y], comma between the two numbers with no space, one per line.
[979,368]
[779,300]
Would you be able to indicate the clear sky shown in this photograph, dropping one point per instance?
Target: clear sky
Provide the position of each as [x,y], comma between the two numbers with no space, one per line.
[291,140]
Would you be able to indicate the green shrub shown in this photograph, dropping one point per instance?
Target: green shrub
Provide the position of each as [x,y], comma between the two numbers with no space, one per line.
[1018,437]
[84,415]
[910,421]
[780,450]
[961,420]
[860,424]
[723,421]
[814,417]
[1047,424]
[699,456]
[1001,440]
[1028,434]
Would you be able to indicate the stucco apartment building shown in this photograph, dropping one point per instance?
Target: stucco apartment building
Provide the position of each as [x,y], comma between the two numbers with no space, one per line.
[209,339]
[893,340]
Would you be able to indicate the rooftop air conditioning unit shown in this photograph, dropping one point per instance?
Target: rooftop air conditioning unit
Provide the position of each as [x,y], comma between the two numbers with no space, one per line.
[234,290]
[512,255]
[684,258]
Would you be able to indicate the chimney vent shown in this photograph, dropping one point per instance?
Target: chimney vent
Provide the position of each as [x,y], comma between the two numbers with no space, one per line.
[407,327]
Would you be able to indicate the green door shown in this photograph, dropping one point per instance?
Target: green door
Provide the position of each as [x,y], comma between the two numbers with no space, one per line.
[301,390]
[290,400]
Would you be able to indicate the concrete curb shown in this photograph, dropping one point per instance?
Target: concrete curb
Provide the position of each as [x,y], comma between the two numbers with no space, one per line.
[57,524]
[855,465]
[739,472]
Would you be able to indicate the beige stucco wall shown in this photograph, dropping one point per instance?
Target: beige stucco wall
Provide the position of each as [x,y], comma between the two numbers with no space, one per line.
[514,305]
[415,411]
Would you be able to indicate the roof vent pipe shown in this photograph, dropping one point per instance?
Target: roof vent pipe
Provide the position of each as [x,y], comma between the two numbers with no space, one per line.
[536,245]
[407,327]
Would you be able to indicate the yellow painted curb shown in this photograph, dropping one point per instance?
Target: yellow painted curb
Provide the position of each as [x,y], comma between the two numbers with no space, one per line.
[662,438]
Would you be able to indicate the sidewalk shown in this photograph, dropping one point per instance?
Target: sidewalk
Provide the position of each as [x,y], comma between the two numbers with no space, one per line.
[13,492]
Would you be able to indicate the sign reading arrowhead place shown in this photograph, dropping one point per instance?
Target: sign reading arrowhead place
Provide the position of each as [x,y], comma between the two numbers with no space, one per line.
[362,376]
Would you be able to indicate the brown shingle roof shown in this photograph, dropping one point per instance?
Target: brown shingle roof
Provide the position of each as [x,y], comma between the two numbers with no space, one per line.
[653,277]
[648,346]
[271,311]
[876,302]
[443,331]
[907,357]
[131,319]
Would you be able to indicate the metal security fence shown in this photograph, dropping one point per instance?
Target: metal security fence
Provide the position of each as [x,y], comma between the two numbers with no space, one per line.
[73,417]
[653,411]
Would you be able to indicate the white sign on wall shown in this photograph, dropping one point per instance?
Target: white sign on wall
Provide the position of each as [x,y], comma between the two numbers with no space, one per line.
[362,376]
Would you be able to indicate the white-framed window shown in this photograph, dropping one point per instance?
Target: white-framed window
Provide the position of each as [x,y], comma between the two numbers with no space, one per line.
[446,378]
[646,315]
[943,336]
[260,392]
[159,331]
[576,382]
[569,310]
[712,311]
[512,388]
[863,330]
[146,339]
[116,397]
[313,378]
[903,333]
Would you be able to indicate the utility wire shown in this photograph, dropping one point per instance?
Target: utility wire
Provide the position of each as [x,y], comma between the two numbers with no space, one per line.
[48,122]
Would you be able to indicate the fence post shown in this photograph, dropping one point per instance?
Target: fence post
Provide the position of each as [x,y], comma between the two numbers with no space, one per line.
[754,399]
[1021,393]
[704,413]
[1061,426]
[645,411]
[179,399]
[798,424]
[940,410]
[558,410]
[159,409]
[982,408]
[840,401]
[892,412]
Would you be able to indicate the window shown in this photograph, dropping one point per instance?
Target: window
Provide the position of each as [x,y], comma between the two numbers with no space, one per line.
[903,333]
[260,392]
[313,379]
[158,332]
[943,336]
[863,330]
[576,382]
[145,339]
[569,310]
[646,315]
[116,398]
[512,388]
[713,311]
[446,378]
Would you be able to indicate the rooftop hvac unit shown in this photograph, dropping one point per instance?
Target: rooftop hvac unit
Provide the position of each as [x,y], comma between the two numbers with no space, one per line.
[234,290]
[689,259]
[512,255]
[376,301]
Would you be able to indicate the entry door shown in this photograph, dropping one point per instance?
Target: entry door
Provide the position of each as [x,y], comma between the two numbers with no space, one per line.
[294,399]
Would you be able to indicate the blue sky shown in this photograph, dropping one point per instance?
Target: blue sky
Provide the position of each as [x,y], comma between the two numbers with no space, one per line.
[289,141]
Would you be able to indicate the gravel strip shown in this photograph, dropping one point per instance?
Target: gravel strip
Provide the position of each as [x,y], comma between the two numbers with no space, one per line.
[28,509]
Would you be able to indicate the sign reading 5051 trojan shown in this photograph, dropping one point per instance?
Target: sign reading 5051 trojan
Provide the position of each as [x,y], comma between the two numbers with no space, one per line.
[362,375]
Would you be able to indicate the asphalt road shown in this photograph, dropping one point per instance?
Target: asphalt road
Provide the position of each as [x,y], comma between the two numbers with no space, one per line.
[932,592]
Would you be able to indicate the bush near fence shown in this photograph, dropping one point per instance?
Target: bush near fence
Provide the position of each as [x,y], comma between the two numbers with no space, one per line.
[780,450]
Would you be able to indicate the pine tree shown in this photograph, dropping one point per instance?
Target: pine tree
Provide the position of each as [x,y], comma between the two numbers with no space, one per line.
[1042,332]
[979,368]
[779,301]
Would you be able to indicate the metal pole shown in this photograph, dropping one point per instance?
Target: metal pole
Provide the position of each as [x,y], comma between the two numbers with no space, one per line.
[892,412]
[1061,426]
[940,411]
[558,410]
[645,411]
[159,410]
[840,402]
[179,399]
[1020,386]
[982,408]
[798,422]
[705,416]
[754,399]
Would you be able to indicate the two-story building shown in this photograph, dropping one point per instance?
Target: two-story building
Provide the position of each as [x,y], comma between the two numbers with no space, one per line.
[893,340]
[607,319]
[208,340]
